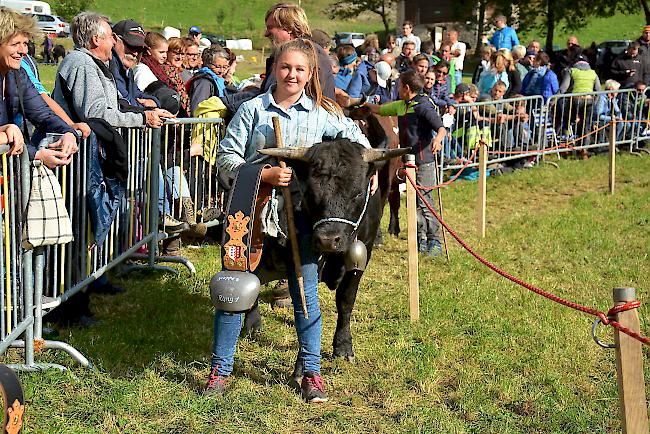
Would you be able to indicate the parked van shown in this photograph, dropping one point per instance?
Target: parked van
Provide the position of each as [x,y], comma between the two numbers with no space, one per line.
[27,7]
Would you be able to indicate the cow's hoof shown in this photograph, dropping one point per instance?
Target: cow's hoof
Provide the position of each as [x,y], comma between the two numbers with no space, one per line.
[350,359]
[282,303]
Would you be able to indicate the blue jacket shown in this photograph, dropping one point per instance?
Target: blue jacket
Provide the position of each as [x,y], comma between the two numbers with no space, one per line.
[504,38]
[350,82]
[36,110]
[548,88]
[440,93]
[125,83]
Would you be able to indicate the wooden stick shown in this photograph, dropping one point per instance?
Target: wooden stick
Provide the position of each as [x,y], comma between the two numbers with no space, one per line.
[442,228]
[412,227]
[482,186]
[286,192]
[629,368]
[612,156]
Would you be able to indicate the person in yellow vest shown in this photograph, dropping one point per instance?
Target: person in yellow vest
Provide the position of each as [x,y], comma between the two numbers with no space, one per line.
[581,78]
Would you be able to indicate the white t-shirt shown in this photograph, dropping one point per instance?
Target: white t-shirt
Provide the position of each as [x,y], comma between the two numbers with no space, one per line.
[461,57]
[143,76]
[411,38]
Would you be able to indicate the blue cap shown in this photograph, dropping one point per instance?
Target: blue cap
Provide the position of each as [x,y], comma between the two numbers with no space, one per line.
[195,29]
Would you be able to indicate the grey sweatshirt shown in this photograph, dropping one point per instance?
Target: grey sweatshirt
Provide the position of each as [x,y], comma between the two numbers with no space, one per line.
[94,95]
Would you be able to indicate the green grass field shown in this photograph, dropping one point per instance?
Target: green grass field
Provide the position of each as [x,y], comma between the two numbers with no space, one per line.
[487,356]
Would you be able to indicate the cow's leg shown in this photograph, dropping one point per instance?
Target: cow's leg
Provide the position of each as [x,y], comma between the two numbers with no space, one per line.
[393,204]
[379,239]
[253,320]
[346,294]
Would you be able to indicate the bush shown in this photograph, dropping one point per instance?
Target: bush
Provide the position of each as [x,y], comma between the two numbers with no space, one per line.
[69,8]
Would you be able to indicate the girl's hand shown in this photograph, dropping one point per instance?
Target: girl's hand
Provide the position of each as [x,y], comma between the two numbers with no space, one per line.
[374,183]
[277,176]
[67,144]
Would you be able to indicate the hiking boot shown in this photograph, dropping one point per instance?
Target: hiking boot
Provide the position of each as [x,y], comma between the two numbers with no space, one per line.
[280,294]
[209,214]
[171,247]
[197,230]
[312,388]
[172,226]
[216,384]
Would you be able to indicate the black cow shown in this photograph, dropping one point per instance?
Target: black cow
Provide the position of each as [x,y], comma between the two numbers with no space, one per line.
[334,178]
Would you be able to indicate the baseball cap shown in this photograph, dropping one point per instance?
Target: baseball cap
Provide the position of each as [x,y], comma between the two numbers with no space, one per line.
[194,30]
[383,72]
[171,32]
[462,88]
[530,53]
[130,32]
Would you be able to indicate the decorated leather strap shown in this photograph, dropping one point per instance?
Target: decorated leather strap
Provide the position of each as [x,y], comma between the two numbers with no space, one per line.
[243,237]
[14,402]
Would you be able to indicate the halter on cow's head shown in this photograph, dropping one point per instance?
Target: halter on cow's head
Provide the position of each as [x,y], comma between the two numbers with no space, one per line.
[336,187]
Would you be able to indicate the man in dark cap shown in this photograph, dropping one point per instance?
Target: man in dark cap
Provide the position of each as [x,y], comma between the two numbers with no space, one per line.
[195,34]
[129,45]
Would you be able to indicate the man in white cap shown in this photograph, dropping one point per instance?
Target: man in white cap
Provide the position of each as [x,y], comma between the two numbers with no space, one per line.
[381,74]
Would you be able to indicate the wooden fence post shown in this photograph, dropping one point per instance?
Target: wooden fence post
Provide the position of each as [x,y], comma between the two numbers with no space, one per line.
[411,212]
[612,156]
[629,368]
[482,186]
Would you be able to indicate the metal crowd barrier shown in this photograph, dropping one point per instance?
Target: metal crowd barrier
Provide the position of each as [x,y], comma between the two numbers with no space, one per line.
[190,144]
[34,282]
[510,127]
[528,128]
[16,281]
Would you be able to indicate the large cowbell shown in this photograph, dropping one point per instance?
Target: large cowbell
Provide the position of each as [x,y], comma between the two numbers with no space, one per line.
[234,291]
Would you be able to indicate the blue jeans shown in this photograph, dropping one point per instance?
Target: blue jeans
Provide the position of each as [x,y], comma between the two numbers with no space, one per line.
[228,325]
[459,77]
[176,182]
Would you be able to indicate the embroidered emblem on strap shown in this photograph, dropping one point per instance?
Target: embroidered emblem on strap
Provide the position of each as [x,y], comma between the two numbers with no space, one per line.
[237,228]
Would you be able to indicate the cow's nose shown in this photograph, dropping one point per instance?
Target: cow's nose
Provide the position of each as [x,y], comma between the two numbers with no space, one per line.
[328,242]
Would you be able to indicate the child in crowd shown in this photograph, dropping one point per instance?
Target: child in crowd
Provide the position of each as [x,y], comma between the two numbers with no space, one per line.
[298,101]
[151,63]
[608,109]
[421,129]
[485,64]
[346,79]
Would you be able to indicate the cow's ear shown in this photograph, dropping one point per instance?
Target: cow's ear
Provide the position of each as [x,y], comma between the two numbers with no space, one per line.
[372,154]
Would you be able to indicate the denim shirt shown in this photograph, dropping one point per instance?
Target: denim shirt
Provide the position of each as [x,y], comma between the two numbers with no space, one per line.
[302,124]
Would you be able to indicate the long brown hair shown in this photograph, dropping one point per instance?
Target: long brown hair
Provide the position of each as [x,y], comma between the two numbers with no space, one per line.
[313,88]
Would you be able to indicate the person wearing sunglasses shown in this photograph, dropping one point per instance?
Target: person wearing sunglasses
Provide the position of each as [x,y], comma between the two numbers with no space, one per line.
[129,45]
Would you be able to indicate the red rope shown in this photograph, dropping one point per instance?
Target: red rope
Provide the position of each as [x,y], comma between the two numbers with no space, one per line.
[605,319]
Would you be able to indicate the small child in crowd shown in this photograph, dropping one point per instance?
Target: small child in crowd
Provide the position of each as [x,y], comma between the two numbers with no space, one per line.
[421,129]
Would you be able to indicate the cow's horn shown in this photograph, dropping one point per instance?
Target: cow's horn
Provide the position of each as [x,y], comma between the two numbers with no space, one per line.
[298,153]
[370,155]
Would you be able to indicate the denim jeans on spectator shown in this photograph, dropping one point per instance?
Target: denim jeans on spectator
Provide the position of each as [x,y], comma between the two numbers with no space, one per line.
[428,226]
[227,326]
[459,77]
[176,186]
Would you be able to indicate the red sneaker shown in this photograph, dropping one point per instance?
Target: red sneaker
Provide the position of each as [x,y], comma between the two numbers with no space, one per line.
[313,388]
[216,385]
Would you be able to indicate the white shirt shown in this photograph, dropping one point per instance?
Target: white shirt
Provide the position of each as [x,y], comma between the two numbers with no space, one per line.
[411,38]
[461,57]
[143,76]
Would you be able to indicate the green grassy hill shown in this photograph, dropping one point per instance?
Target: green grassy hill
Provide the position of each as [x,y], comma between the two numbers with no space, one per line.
[246,19]
[232,19]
